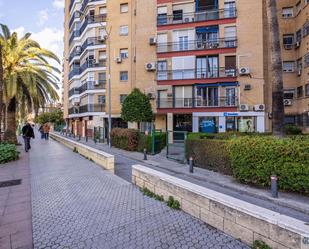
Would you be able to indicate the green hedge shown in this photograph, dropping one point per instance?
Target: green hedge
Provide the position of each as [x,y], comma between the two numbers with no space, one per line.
[255,159]
[8,152]
[210,154]
[133,140]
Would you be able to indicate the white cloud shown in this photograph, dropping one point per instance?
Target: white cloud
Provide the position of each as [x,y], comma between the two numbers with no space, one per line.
[58,4]
[42,17]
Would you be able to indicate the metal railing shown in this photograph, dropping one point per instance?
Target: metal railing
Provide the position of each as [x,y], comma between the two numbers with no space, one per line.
[91,41]
[85,3]
[93,85]
[86,65]
[71,4]
[196,73]
[201,15]
[74,91]
[76,14]
[197,45]
[198,102]
[87,108]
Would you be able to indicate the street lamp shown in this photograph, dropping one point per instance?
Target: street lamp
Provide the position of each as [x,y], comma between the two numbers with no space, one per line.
[107,39]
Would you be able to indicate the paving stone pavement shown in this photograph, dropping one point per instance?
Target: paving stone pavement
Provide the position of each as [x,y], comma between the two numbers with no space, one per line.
[76,204]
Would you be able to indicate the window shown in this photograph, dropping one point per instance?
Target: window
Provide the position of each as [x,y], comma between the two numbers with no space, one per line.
[229,9]
[306,60]
[122,98]
[288,41]
[289,94]
[230,36]
[306,29]
[124,8]
[298,7]
[124,30]
[162,15]
[102,10]
[288,66]
[102,55]
[124,53]
[307,90]
[102,77]
[162,70]
[183,96]
[177,15]
[299,66]
[300,92]
[298,35]
[287,12]
[101,99]
[124,76]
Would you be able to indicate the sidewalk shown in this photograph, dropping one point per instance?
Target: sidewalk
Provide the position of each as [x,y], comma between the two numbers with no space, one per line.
[293,205]
[15,205]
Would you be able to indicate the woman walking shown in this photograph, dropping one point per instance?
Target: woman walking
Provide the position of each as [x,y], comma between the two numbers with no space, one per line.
[46,129]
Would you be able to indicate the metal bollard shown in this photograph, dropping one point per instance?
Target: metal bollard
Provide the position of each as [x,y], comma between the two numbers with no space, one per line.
[274,186]
[191,169]
[145,154]
[86,138]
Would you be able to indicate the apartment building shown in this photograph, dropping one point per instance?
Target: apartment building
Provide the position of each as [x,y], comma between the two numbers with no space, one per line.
[210,68]
[102,35]
[294,32]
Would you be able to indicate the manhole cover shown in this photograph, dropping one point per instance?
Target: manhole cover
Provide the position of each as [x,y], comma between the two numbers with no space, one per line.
[10,183]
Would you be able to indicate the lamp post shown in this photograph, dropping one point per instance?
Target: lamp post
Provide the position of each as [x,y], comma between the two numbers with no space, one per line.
[107,39]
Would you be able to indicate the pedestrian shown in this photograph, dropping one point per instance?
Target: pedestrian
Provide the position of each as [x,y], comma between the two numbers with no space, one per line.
[41,130]
[46,129]
[27,132]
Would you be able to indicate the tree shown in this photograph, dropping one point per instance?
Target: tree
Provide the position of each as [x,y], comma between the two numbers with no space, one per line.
[28,79]
[1,88]
[136,107]
[276,69]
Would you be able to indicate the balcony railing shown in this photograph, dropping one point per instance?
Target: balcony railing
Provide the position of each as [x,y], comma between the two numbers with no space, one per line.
[202,15]
[71,4]
[86,65]
[93,85]
[75,33]
[196,74]
[87,108]
[85,3]
[91,41]
[198,102]
[197,45]
[74,91]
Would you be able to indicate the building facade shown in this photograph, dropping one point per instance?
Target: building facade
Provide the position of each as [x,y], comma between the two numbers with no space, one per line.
[203,63]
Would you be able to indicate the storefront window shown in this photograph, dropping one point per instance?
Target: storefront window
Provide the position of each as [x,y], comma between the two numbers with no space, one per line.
[246,124]
[208,124]
[230,124]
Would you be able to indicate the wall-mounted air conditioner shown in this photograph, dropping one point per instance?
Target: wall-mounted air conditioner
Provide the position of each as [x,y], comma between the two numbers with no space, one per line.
[287,102]
[259,108]
[118,60]
[244,108]
[244,71]
[152,41]
[151,66]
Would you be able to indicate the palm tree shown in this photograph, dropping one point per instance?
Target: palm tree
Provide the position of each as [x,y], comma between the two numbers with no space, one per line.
[276,68]
[28,76]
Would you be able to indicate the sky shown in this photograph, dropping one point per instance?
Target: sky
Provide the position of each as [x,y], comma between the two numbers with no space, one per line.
[42,18]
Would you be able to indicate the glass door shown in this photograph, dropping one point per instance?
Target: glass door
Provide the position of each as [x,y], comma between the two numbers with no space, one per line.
[162,70]
[183,43]
[230,94]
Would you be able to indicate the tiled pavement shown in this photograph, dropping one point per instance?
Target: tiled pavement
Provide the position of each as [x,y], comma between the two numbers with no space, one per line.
[76,204]
[15,206]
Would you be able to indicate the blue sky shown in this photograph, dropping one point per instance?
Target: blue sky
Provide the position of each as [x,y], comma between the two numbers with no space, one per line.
[42,18]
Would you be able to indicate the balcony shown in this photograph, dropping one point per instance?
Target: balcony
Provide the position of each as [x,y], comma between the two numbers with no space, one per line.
[199,16]
[196,45]
[85,3]
[93,85]
[196,74]
[73,17]
[71,4]
[85,66]
[91,41]
[198,102]
[87,108]
[74,91]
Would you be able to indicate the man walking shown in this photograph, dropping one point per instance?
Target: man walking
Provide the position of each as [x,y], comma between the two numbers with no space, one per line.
[28,133]
[46,129]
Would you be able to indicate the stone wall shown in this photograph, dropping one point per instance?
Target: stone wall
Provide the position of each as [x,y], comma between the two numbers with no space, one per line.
[237,218]
[105,160]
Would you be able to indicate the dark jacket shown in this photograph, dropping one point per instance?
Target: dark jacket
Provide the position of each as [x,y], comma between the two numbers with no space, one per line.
[27,131]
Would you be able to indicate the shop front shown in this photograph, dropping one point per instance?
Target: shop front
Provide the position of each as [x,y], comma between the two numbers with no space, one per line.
[214,122]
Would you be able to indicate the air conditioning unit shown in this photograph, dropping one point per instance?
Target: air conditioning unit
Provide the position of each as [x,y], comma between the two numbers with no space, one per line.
[151,66]
[151,96]
[244,71]
[96,83]
[287,102]
[152,41]
[78,49]
[76,101]
[187,19]
[259,108]
[101,38]
[297,44]
[118,60]
[244,107]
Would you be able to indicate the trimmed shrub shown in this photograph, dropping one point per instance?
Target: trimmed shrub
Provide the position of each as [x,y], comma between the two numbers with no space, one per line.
[126,139]
[209,153]
[255,159]
[8,152]
[292,130]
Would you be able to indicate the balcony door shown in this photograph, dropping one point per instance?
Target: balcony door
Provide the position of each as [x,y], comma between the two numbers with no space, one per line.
[207,67]
[207,37]
[162,70]
[183,67]
[230,66]
[230,94]
[183,96]
[229,9]
[206,96]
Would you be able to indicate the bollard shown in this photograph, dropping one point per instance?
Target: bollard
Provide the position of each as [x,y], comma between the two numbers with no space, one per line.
[86,138]
[145,154]
[78,137]
[191,170]
[274,186]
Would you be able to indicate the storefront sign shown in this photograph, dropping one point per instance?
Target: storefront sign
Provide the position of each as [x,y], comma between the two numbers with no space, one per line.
[230,114]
